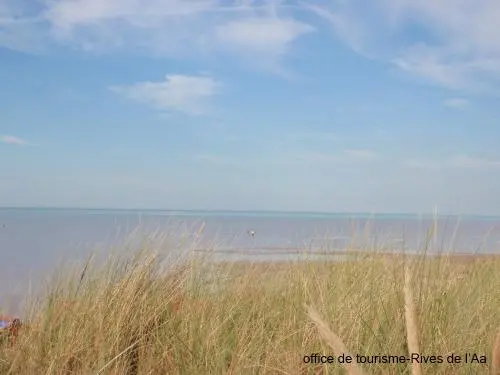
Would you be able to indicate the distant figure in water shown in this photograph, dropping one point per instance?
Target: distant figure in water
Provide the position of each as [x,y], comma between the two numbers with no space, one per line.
[251,233]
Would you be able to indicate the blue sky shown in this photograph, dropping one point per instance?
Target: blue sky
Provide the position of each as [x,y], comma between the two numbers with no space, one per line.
[311,105]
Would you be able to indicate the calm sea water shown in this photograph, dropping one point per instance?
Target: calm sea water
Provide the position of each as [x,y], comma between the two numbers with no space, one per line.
[34,241]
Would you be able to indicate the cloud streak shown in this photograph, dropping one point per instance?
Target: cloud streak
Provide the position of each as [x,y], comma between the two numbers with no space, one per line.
[290,158]
[11,140]
[455,162]
[458,103]
[181,93]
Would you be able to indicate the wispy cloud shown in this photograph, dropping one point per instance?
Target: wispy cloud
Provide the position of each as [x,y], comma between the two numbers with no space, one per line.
[466,161]
[360,154]
[310,158]
[261,31]
[454,162]
[344,156]
[182,93]
[11,140]
[457,46]
[288,158]
[220,160]
[459,103]
[270,37]
[422,164]
[345,26]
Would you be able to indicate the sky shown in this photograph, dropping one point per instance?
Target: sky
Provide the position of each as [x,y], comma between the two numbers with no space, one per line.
[331,105]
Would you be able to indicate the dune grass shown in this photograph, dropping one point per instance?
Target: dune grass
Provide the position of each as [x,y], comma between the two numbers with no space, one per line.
[130,316]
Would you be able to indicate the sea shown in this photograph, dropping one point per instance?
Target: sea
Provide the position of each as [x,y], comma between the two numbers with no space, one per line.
[34,242]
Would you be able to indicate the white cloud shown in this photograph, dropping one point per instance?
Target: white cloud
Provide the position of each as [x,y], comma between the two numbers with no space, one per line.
[428,63]
[9,139]
[452,43]
[263,35]
[178,28]
[20,28]
[67,15]
[187,94]
[456,103]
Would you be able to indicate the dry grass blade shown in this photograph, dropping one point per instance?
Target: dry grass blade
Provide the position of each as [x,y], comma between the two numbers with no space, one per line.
[332,340]
[130,347]
[411,322]
[495,355]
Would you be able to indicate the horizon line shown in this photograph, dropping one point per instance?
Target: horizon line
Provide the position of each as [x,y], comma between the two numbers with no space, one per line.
[236,211]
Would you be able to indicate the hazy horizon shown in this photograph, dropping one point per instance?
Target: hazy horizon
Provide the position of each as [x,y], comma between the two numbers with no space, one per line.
[426,214]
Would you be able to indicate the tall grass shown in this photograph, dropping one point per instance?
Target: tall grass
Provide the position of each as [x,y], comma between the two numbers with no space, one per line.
[131,316]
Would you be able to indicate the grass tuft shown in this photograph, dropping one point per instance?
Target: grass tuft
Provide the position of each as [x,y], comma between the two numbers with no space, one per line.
[135,315]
